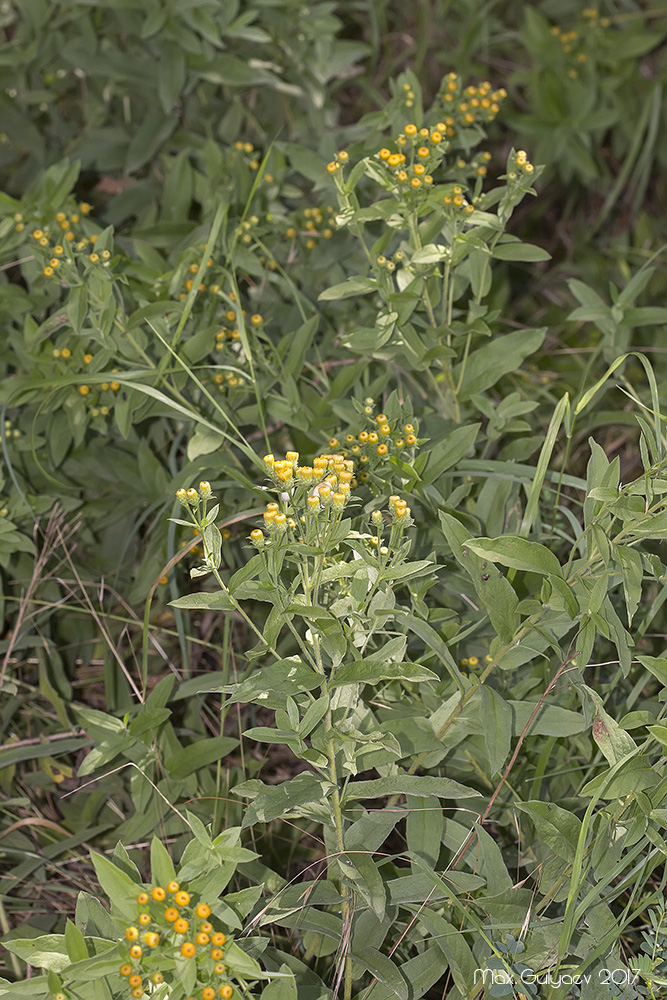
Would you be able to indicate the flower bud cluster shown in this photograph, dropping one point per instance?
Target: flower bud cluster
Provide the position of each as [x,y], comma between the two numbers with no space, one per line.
[170,928]
[306,493]
[192,497]
[385,437]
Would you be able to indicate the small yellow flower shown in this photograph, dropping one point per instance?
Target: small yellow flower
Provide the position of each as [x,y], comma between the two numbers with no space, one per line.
[19,227]
[181,926]
[47,272]
[226,992]
[84,390]
[135,980]
[332,167]
[158,892]
[125,969]
[188,950]
[142,898]
[472,661]
[37,234]
[131,933]
[202,938]
[343,156]
[87,358]
[411,440]
[415,182]
[70,236]
[84,207]
[182,898]
[171,914]
[410,129]
[93,257]
[115,386]
[58,250]
[65,353]
[54,262]
[256,319]
[382,449]
[136,951]
[106,254]
[384,153]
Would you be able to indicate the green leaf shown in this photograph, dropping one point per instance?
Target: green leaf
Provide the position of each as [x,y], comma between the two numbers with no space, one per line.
[657,665]
[374,671]
[271,686]
[424,828]
[453,945]
[360,869]
[408,784]
[383,969]
[497,358]
[445,454]
[520,251]
[420,972]
[204,601]
[551,720]
[119,887]
[162,867]
[519,553]
[281,989]
[633,574]
[613,741]
[48,951]
[434,642]
[198,755]
[496,716]
[494,591]
[74,942]
[430,254]
[558,828]
[348,289]
[493,867]
[277,800]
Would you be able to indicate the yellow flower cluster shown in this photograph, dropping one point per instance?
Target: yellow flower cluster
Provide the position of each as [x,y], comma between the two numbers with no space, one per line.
[372,447]
[400,519]
[425,149]
[468,106]
[310,224]
[473,661]
[409,95]
[250,156]
[179,930]
[572,43]
[519,164]
[60,245]
[456,201]
[309,497]
[340,160]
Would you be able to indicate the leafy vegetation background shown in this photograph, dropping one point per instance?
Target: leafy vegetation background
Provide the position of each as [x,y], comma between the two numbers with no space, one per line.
[217,296]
